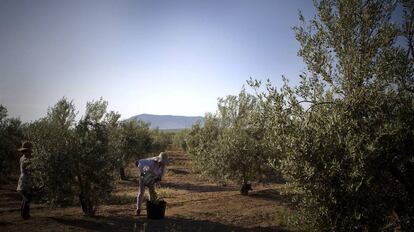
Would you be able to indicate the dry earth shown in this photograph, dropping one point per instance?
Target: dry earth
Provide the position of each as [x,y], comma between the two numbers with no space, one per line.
[194,204]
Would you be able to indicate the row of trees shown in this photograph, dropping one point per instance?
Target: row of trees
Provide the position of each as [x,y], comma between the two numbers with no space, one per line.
[343,138]
[78,161]
[230,145]
[10,139]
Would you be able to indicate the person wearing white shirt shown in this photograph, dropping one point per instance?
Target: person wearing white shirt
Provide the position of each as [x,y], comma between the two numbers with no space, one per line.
[24,186]
[150,171]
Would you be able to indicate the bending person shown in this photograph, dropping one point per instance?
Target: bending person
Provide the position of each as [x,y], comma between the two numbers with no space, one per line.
[150,171]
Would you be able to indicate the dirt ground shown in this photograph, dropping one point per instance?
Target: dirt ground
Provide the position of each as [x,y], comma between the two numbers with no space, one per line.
[193,204]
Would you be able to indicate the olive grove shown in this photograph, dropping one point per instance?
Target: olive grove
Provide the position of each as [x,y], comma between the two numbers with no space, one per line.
[343,138]
[11,134]
[79,161]
[230,144]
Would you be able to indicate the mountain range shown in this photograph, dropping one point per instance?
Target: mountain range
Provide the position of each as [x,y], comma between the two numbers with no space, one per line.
[168,122]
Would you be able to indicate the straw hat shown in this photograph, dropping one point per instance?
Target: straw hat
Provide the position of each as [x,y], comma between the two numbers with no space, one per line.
[163,158]
[26,145]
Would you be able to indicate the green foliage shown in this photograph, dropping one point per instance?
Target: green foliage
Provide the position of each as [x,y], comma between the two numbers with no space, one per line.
[74,159]
[94,165]
[230,145]
[53,157]
[202,145]
[160,140]
[344,137]
[179,139]
[77,160]
[136,139]
[10,139]
[113,125]
[135,142]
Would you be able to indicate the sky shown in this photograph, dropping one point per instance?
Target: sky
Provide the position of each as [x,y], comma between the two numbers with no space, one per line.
[172,57]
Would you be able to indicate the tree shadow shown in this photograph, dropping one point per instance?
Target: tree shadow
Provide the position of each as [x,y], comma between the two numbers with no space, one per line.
[130,182]
[267,194]
[98,223]
[272,195]
[182,186]
[188,225]
[197,188]
[173,224]
[178,171]
[3,223]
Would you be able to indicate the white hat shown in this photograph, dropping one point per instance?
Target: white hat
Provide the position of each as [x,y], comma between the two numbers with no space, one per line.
[163,158]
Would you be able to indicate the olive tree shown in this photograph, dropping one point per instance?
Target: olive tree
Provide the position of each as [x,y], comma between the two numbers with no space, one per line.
[230,145]
[202,146]
[135,142]
[346,133]
[160,140]
[113,125]
[74,160]
[54,146]
[93,164]
[10,139]
[179,139]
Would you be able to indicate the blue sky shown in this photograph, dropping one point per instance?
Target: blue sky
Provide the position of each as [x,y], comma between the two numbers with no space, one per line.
[161,57]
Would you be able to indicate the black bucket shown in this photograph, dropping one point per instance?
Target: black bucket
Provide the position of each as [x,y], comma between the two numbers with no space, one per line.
[156,210]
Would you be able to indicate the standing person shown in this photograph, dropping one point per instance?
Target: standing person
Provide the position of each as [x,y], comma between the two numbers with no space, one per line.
[150,171]
[24,187]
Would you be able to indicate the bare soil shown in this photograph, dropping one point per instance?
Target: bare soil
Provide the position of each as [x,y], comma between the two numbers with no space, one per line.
[193,204]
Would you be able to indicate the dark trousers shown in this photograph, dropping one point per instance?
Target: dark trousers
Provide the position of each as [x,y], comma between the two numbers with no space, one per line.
[25,206]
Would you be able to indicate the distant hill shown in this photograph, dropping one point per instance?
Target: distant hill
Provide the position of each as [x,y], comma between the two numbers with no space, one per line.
[168,122]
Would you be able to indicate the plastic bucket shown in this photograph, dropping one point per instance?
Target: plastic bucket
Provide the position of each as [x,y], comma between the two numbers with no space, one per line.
[156,210]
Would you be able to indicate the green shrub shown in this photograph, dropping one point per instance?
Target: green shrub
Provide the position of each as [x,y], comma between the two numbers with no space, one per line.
[73,160]
[10,140]
[345,135]
[136,141]
[179,139]
[53,156]
[94,165]
[230,145]
[160,140]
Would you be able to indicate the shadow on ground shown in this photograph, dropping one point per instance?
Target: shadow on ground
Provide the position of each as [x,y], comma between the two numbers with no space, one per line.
[3,223]
[129,182]
[197,187]
[268,194]
[274,195]
[146,225]
[178,171]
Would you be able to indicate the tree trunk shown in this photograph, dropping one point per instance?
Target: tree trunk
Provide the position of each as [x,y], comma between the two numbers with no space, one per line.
[245,187]
[88,207]
[122,173]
